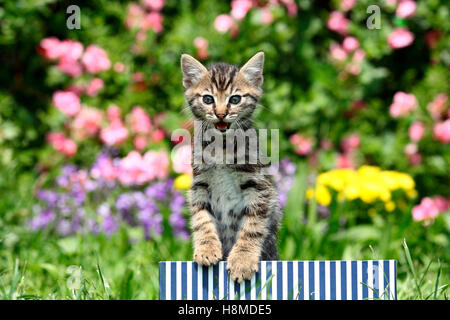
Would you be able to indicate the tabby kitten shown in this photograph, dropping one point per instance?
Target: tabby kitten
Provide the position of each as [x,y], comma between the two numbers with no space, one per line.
[235,213]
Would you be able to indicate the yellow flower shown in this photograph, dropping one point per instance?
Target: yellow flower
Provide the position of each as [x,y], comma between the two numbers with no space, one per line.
[183,181]
[389,206]
[323,196]
[406,182]
[412,194]
[368,183]
[309,193]
[351,192]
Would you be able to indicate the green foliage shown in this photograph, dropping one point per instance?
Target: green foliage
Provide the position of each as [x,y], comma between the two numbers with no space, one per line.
[305,92]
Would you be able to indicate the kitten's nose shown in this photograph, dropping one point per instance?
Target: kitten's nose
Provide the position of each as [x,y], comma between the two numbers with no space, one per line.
[220,115]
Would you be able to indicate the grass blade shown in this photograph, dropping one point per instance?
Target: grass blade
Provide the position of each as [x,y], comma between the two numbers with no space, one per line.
[411,267]
[437,281]
[15,281]
[105,283]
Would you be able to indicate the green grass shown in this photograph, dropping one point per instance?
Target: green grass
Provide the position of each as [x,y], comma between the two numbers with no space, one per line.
[97,267]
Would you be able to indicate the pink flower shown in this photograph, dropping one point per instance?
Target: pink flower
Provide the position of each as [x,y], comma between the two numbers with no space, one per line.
[113,112]
[140,121]
[427,209]
[411,148]
[437,106]
[302,145]
[403,104]
[67,102]
[50,47]
[202,47]
[158,162]
[338,23]
[70,67]
[105,169]
[137,77]
[158,135]
[347,5]
[344,161]
[350,44]
[416,131]
[353,68]
[239,8]
[441,131]
[133,170]
[69,147]
[153,20]
[94,86]
[134,16]
[358,55]
[350,143]
[400,38]
[155,5]
[201,43]
[95,59]
[441,203]
[223,23]
[291,7]
[61,143]
[119,67]
[87,122]
[56,139]
[266,16]
[181,159]
[337,52]
[114,134]
[140,142]
[406,9]
[70,50]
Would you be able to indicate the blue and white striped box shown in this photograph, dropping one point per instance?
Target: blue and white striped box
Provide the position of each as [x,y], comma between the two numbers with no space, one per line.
[281,280]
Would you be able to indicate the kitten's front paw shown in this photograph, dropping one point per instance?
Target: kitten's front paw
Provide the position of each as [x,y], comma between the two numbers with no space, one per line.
[242,265]
[208,254]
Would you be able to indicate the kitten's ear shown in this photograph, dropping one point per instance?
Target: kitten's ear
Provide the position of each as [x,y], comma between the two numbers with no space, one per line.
[253,69]
[193,70]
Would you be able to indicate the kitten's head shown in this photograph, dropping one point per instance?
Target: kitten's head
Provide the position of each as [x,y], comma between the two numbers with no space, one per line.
[223,95]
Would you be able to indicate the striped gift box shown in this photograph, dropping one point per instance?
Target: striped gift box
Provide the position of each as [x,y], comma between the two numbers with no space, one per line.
[281,280]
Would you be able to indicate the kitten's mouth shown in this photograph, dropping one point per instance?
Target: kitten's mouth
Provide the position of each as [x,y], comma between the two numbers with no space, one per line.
[222,126]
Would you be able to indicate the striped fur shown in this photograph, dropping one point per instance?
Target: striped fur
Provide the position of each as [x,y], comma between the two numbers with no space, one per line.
[235,209]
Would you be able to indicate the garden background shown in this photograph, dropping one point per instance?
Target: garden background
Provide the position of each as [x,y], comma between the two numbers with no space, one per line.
[91,198]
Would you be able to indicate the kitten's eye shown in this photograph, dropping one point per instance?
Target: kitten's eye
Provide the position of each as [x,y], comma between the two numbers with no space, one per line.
[208,99]
[235,99]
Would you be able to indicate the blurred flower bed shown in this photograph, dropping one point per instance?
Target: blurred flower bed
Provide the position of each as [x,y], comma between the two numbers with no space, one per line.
[86,116]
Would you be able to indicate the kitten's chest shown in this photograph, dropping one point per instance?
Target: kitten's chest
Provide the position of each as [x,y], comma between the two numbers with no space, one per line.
[225,194]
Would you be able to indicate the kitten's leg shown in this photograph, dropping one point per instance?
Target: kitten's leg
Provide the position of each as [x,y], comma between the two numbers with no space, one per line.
[244,256]
[207,245]
[246,252]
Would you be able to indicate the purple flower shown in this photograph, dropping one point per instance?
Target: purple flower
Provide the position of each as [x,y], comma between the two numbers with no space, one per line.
[109,225]
[177,202]
[64,227]
[47,196]
[104,210]
[284,179]
[124,202]
[158,190]
[177,221]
